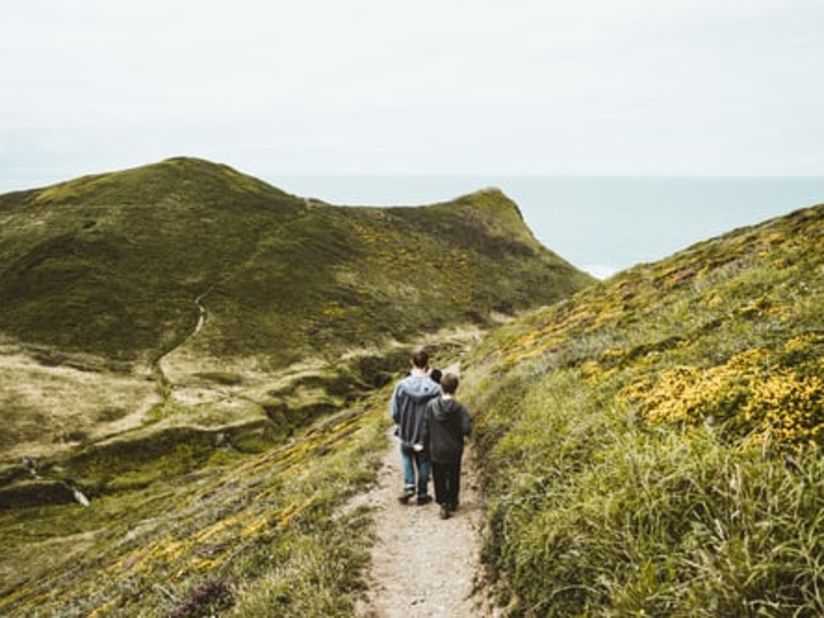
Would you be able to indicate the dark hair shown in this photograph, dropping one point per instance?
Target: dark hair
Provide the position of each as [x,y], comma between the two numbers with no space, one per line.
[420,358]
[449,383]
[435,375]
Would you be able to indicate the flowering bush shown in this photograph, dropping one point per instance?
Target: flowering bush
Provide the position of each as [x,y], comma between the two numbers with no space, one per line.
[751,395]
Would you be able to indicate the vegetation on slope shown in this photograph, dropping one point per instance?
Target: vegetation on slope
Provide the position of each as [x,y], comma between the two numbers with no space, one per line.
[218,465]
[104,279]
[652,446]
[112,265]
[216,530]
[252,519]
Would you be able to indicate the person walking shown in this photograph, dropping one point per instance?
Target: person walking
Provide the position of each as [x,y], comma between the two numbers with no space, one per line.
[446,423]
[407,408]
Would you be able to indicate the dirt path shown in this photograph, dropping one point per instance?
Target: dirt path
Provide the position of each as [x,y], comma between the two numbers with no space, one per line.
[423,566]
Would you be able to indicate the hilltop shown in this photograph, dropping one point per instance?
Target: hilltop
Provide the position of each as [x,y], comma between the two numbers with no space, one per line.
[652,445]
[112,264]
[106,279]
[195,369]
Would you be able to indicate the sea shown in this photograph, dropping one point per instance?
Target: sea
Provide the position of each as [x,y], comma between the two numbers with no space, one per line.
[600,224]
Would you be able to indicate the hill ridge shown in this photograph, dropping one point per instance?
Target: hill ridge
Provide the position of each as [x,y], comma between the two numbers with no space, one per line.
[614,432]
[115,269]
[207,205]
[650,441]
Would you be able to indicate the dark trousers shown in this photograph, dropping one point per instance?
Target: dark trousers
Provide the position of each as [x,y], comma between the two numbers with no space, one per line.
[447,478]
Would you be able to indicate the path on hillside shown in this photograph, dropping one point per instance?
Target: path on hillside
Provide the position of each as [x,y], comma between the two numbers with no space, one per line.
[423,566]
[165,385]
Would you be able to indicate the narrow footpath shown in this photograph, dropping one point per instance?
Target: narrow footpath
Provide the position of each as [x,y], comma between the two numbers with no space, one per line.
[423,566]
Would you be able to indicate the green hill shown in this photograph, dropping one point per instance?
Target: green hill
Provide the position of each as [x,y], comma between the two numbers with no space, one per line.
[652,445]
[106,278]
[203,361]
[112,264]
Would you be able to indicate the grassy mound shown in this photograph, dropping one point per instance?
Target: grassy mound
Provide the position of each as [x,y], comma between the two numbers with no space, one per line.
[104,280]
[113,264]
[652,446]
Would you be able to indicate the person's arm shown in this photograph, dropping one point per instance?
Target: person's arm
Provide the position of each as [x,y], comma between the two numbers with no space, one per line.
[425,426]
[393,404]
[466,422]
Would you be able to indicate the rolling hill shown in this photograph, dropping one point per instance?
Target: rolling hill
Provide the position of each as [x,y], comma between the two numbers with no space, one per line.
[105,279]
[195,368]
[653,444]
[112,264]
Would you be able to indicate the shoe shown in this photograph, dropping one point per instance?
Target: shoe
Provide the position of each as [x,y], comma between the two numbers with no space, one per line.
[452,506]
[406,496]
[444,512]
[424,500]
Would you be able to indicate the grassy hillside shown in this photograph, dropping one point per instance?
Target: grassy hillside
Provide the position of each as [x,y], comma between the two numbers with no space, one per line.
[194,369]
[112,265]
[244,520]
[104,279]
[652,445]
[200,529]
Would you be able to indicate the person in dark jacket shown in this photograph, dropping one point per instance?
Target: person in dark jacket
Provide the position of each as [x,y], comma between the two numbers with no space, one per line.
[446,423]
[407,409]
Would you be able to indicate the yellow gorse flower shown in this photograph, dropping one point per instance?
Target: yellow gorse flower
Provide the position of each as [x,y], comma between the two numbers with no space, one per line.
[755,399]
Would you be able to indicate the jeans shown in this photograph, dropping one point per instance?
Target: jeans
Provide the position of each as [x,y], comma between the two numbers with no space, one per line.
[414,461]
[447,483]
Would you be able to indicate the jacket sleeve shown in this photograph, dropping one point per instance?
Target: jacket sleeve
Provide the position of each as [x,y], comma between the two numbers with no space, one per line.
[393,404]
[466,422]
[427,412]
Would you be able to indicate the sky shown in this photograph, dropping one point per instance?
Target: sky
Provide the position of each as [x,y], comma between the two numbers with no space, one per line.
[525,87]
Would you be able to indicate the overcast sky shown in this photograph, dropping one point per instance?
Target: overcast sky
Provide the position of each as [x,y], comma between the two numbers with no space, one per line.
[626,87]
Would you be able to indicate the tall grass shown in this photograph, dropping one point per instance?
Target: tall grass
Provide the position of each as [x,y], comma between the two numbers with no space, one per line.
[653,446]
[248,535]
[592,513]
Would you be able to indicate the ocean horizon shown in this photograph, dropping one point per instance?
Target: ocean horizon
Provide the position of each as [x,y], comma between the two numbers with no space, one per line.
[602,224]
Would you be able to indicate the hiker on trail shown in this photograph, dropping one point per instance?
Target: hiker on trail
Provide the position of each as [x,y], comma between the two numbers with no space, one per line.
[407,409]
[446,422]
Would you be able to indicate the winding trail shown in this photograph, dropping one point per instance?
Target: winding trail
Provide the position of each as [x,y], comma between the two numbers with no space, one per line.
[201,316]
[423,566]
[165,385]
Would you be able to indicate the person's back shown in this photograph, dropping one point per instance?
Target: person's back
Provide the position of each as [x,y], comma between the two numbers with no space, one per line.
[446,422]
[408,408]
[408,404]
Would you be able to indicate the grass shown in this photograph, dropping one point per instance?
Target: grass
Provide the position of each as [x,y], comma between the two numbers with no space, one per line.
[111,264]
[246,534]
[103,277]
[652,446]
[243,519]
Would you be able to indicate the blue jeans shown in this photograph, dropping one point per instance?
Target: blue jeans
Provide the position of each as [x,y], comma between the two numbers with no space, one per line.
[414,461]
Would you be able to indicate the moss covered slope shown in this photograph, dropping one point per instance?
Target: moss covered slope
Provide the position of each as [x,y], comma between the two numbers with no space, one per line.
[112,265]
[104,280]
[218,455]
[653,444]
